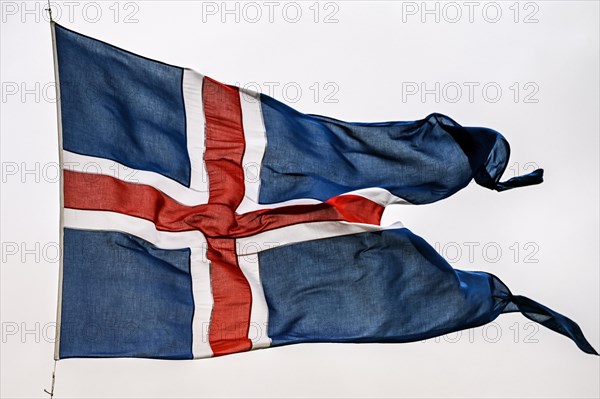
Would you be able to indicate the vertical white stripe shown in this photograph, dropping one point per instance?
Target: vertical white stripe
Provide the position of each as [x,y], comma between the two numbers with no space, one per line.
[304,232]
[256,142]
[259,314]
[195,127]
[203,301]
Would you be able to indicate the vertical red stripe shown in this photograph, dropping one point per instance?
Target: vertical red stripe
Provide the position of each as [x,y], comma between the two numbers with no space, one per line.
[230,318]
[225,143]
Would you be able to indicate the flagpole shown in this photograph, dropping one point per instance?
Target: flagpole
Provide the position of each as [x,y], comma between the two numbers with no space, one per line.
[51,392]
[50,12]
[61,200]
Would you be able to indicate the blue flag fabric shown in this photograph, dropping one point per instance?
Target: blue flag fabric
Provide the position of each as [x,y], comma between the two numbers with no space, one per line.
[312,156]
[200,219]
[361,288]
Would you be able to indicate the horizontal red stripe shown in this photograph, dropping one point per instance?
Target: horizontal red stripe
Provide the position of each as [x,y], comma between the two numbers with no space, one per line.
[350,208]
[106,193]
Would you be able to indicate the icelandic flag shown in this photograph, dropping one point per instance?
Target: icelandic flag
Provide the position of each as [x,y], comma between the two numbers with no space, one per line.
[199,219]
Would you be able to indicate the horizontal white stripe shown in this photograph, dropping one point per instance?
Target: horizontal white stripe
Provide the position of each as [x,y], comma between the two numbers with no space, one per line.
[259,314]
[192,87]
[86,164]
[252,245]
[142,228]
[251,206]
[199,264]
[378,195]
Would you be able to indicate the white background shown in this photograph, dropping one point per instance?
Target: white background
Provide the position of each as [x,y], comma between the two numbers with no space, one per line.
[370,55]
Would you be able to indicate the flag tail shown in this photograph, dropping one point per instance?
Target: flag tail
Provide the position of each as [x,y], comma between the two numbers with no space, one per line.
[488,153]
[535,177]
[549,318]
[540,314]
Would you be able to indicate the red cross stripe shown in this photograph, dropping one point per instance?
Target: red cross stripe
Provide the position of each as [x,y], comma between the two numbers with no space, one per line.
[217,219]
